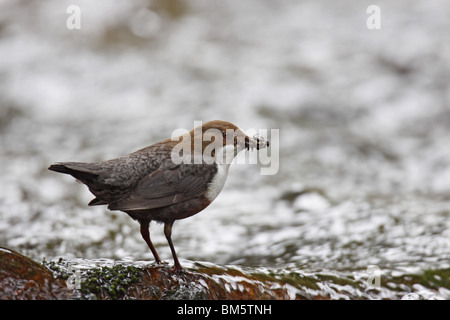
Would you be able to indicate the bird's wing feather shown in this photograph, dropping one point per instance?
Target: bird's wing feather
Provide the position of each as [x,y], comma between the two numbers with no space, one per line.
[165,187]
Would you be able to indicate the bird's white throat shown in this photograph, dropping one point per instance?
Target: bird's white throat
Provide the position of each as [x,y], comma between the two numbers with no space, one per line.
[226,154]
[223,158]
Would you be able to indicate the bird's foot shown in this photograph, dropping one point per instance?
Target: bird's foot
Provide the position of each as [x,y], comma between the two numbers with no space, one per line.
[178,269]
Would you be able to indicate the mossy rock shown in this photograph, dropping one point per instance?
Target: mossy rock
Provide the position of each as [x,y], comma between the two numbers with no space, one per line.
[21,278]
[103,279]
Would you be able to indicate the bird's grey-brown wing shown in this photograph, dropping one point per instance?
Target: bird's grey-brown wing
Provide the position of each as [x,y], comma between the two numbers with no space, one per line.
[165,187]
[110,180]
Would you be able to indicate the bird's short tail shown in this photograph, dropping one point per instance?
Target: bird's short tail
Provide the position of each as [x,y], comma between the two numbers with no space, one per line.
[87,173]
[79,170]
[58,167]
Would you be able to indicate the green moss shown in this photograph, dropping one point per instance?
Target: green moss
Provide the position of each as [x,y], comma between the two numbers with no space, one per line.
[58,270]
[297,280]
[342,281]
[109,282]
[437,278]
[433,279]
[98,283]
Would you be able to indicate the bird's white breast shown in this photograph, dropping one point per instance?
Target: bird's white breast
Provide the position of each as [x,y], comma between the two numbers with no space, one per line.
[217,183]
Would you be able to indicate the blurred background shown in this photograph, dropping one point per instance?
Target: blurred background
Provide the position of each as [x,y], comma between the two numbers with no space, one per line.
[364,120]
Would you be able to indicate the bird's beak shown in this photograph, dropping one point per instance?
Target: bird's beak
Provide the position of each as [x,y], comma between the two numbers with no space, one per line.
[255,142]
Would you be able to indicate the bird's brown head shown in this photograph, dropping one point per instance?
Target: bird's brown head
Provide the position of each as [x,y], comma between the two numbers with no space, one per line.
[220,139]
[229,135]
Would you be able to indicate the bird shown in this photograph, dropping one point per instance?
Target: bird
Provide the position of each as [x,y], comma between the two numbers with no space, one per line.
[167,181]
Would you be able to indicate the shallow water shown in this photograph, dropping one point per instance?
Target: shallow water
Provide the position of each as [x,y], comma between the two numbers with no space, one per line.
[363,116]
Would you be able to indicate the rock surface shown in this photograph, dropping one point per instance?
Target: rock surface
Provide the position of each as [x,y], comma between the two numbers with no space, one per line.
[22,278]
[103,279]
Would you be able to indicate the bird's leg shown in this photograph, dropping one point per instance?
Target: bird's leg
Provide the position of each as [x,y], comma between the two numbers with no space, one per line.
[146,235]
[168,233]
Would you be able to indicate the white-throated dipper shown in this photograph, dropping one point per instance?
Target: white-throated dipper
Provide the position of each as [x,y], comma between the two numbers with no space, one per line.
[167,181]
